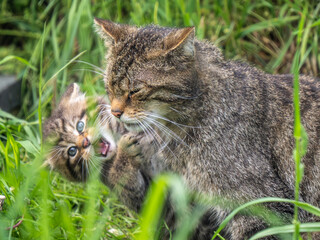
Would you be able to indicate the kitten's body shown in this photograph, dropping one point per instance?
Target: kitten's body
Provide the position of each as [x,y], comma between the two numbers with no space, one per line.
[227,127]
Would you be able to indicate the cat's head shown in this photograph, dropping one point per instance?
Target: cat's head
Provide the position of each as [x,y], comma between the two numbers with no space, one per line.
[74,145]
[150,75]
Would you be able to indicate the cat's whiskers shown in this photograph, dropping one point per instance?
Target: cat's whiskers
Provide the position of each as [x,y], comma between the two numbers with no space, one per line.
[91,65]
[179,112]
[79,160]
[154,115]
[149,134]
[87,169]
[144,129]
[56,152]
[107,106]
[167,131]
[95,136]
[97,163]
[158,138]
[55,148]
[180,126]
[159,141]
[92,159]
[105,120]
[165,144]
[90,70]
[106,116]
[186,98]
[82,169]
[102,118]
[94,164]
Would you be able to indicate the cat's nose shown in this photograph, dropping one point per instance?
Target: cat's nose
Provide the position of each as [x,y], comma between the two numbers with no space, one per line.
[117,113]
[118,105]
[86,143]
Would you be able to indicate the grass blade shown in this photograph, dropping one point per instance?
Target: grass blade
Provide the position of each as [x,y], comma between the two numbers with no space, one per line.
[20,59]
[304,227]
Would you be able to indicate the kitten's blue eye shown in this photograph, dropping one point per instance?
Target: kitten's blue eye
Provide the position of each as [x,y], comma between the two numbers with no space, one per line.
[80,126]
[72,151]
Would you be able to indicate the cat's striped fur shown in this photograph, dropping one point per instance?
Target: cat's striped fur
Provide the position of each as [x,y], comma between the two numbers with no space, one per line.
[224,126]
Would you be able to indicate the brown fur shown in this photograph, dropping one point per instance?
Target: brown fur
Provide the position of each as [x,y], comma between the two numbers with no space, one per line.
[225,126]
[124,152]
[60,131]
[131,186]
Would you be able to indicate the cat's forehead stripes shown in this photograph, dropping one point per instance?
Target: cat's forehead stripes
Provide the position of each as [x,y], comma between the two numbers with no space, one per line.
[130,62]
[133,50]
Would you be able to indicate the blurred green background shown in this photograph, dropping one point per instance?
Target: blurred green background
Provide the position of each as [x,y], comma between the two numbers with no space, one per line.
[48,44]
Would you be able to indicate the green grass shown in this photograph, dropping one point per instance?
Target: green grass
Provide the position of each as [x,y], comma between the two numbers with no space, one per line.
[44,44]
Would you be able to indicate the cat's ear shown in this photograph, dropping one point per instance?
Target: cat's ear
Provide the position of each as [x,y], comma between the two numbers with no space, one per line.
[73,90]
[180,39]
[112,32]
[72,93]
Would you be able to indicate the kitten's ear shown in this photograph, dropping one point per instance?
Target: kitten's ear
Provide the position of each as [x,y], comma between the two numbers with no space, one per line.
[73,90]
[112,32]
[182,38]
[72,94]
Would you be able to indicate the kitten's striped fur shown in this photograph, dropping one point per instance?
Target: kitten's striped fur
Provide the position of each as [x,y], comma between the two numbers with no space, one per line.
[73,152]
[61,130]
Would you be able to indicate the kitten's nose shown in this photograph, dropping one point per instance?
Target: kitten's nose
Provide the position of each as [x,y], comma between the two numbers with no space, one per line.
[86,143]
[117,113]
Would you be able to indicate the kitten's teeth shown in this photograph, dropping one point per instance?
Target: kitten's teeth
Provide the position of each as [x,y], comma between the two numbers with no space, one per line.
[104,147]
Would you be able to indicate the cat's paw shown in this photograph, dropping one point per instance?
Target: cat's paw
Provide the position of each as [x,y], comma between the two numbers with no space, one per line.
[129,145]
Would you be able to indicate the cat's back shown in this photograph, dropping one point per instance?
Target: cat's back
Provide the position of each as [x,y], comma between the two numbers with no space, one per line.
[280,117]
[251,104]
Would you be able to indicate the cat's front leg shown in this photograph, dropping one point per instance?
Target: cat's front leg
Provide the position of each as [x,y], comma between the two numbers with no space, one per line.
[126,175]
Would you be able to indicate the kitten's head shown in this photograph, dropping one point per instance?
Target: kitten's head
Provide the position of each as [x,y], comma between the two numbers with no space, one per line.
[68,131]
[150,75]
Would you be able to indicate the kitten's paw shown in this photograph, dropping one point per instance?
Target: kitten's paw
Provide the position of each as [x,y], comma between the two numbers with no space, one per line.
[129,145]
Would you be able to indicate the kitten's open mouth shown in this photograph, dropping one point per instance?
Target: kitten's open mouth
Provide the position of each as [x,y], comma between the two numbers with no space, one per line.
[104,147]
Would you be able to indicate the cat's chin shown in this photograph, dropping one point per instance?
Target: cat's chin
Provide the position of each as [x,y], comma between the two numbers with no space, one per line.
[133,127]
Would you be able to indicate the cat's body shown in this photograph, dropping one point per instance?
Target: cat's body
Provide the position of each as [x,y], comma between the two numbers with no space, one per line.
[226,127]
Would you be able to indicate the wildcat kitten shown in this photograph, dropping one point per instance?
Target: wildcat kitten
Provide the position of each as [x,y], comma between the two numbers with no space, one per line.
[73,141]
[75,145]
[225,126]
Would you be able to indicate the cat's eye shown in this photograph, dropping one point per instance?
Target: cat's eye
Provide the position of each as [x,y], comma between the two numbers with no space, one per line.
[133,92]
[72,151]
[80,126]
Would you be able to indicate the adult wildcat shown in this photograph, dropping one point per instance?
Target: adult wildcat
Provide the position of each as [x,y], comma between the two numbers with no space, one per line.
[226,127]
